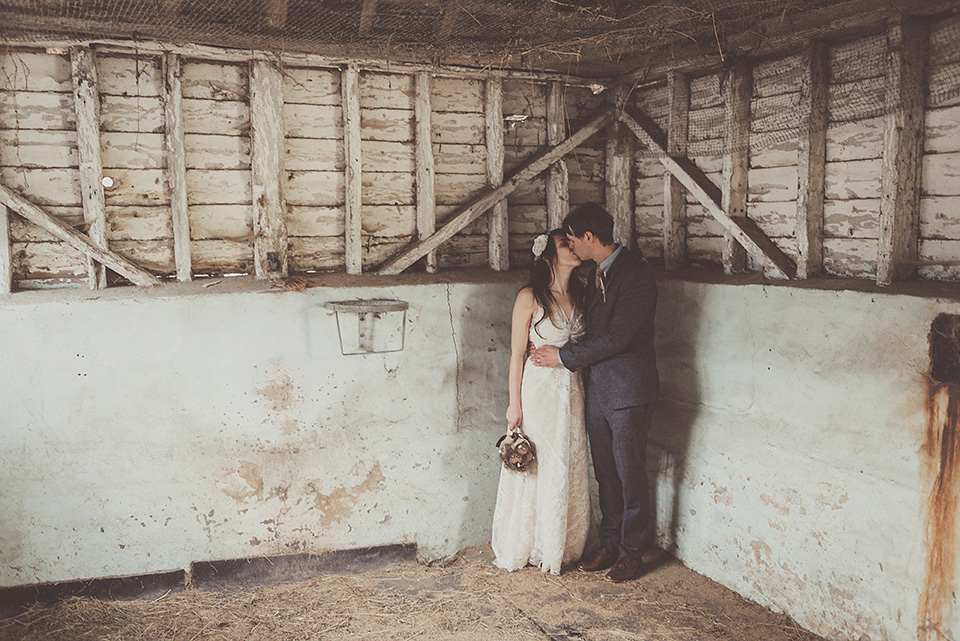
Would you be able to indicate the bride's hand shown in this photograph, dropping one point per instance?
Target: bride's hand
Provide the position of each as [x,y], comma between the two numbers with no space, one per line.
[514,417]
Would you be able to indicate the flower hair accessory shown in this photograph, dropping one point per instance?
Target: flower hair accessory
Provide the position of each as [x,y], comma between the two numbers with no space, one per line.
[539,244]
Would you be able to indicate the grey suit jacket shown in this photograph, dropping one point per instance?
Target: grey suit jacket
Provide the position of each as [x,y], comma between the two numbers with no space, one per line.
[617,356]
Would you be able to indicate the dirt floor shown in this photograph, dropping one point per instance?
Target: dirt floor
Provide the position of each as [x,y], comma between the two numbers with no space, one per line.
[464,598]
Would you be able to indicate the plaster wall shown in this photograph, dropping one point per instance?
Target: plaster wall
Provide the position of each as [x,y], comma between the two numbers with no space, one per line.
[143,430]
[793,458]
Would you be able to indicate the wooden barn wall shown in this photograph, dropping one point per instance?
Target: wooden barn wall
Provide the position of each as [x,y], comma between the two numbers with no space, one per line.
[853,162]
[38,143]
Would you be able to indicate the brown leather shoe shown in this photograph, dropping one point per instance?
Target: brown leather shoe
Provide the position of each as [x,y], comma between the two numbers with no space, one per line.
[600,560]
[625,570]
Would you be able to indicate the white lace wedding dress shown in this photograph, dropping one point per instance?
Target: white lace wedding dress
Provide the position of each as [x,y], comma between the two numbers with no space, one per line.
[543,516]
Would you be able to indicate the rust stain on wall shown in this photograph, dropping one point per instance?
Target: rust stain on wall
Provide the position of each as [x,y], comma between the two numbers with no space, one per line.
[243,483]
[339,504]
[940,460]
[281,393]
[722,495]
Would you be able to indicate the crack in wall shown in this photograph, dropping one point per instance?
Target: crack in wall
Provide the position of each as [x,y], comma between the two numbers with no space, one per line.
[456,351]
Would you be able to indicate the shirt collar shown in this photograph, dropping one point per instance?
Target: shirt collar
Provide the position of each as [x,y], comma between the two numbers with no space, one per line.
[608,261]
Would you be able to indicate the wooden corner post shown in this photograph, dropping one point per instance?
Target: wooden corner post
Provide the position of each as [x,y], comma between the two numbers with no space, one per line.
[737,91]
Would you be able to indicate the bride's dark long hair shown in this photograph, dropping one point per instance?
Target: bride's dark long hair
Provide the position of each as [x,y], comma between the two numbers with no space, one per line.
[542,275]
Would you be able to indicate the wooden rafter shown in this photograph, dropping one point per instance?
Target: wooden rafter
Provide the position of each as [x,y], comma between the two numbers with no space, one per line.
[75,239]
[741,228]
[491,196]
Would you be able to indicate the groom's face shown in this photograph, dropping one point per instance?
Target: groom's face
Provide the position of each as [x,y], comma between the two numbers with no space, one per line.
[580,245]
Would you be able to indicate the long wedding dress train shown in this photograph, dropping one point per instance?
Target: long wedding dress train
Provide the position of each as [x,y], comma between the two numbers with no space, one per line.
[543,516]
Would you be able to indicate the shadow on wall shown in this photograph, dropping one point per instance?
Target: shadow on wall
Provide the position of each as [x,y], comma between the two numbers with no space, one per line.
[678,325]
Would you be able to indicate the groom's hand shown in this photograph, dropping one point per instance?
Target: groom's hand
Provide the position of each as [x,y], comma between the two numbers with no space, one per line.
[546,356]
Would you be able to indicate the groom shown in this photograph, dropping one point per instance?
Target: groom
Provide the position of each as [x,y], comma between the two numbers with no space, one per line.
[620,375]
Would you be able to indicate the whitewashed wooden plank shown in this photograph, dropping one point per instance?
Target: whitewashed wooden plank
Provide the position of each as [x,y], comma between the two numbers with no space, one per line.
[228,222]
[380,188]
[856,140]
[47,261]
[316,254]
[529,133]
[648,191]
[55,186]
[858,59]
[942,90]
[856,100]
[777,76]
[775,113]
[458,128]
[353,176]
[646,166]
[390,220]
[218,187]
[217,151]
[584,192]
[317,188]
[137,187]
[267,151]
[455,189]
[776,220]
[132,150]
[387,156]
[942,129]
[132,113]
[220,257]
[783,153]
[940,217]
[587,164]
[321,221]
[850,257]
[851,218]
[37,148]
[650,247]
[648,221]
[460,159]
[138,223]
[313,121]
[653,101]
[6,259]
[579,103]
[154,255]
[309,154]
[386,124]
[524,98]
[215,117]
[463,95]
[217,81]
[130,75]
[531,192]
[940,174]
[707,124]
[773,184]
[527,220]
[945,252]
[22,230]
[700,223]
[312,86]
[34,110]
[86,102]
[514,156]
[386,90]
[852,180]
[705,250]
[24,70]
[705,92]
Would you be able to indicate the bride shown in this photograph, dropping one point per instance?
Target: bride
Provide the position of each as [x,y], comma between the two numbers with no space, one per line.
[543,515]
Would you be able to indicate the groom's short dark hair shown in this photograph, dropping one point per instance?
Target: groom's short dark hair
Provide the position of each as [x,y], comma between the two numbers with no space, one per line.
[593,218]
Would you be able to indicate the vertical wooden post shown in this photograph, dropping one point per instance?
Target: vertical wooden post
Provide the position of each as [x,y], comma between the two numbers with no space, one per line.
[367,13]
[811,158]
[902,151]
[618,193]
[426,196]
[266,161]
[276,14]
[499,243]
[558,179]
[176,164]
[353,250]
[674,195]
[6,264]
[86,102]
[737,91]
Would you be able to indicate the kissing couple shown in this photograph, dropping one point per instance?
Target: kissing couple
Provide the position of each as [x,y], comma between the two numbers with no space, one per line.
[581,355]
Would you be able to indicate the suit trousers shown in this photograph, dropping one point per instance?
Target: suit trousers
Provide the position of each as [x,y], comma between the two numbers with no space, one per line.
[618,443]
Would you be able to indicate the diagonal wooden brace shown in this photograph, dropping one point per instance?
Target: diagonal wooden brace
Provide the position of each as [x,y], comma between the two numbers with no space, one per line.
[75,239]
[744,230]
[491,196]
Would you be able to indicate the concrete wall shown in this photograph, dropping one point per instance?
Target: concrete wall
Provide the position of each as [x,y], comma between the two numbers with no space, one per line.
[140,431]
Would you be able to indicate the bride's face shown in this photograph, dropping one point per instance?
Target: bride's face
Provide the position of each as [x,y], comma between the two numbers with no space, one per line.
[565,255]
